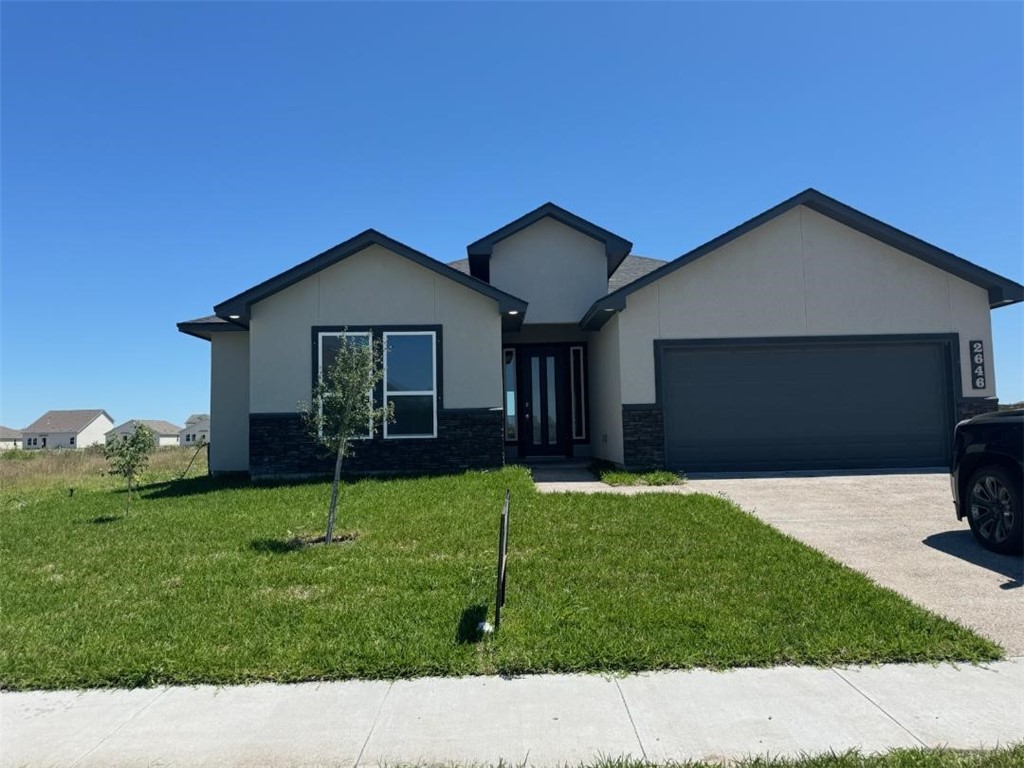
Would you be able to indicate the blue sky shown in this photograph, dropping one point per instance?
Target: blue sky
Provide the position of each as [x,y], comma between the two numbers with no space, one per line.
[158,158]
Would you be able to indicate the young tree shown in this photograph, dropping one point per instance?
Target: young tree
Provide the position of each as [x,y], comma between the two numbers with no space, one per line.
[129,454]
[342,406]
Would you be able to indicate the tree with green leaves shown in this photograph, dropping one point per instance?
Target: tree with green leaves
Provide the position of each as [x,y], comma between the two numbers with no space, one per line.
[129,454]
[342,407]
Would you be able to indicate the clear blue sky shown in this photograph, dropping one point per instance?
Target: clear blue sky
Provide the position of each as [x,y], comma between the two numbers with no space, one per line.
[158,158]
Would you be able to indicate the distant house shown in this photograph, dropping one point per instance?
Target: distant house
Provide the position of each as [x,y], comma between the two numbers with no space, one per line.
[67,429]
[196,430]
[9,438]
[164,432]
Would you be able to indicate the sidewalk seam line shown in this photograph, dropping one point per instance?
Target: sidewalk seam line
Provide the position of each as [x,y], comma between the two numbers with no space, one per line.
[629,714]
[373,725]
[880,708]
[117,730]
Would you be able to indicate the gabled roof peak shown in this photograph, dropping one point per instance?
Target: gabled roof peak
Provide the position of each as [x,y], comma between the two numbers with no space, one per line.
[616,248]
[1001,290]
[237,308]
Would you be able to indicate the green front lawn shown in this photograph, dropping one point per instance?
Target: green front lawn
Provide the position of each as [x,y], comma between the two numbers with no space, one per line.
[203,582]
[1004,757]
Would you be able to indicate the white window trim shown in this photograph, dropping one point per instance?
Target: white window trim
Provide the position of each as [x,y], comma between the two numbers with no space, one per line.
[321,335]
[580,408]
[504,392]
[433,378]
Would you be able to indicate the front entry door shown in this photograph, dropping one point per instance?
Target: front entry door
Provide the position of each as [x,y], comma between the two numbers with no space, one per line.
[543,402]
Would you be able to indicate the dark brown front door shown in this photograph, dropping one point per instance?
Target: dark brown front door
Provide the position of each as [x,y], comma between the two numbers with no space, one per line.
[543,402]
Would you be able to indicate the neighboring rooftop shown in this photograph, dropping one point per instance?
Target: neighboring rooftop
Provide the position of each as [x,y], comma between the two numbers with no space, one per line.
[158,426]
[66,421]
[6,433]
[195,418]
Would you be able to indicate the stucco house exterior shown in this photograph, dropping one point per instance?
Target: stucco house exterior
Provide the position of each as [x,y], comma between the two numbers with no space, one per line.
[810,336]
[9,438]
[164,433]
[67,429]
[195,431]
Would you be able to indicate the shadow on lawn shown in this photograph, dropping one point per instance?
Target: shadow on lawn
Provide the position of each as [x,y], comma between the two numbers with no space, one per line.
[962,544]
[103,519]
[277,546]
[469,625]
[194,486]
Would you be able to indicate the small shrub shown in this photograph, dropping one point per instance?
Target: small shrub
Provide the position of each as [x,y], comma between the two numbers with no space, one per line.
[129,454]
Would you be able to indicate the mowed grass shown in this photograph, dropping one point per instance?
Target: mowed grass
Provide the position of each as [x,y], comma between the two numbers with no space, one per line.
[1004,757]
[202,582]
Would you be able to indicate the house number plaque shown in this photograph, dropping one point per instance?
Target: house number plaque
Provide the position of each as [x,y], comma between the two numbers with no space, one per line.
[978,378]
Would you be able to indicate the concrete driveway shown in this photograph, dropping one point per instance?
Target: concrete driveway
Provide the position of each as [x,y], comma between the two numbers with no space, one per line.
[899,529]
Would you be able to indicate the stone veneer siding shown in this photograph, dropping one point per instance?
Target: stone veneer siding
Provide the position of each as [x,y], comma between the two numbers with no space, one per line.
[643,437]
[975,406]
[280,446]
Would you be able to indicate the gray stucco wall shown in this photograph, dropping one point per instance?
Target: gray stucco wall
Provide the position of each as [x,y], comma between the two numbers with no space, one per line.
[374,287]
[558,270]
[606,393]
[801,274]
[229,402]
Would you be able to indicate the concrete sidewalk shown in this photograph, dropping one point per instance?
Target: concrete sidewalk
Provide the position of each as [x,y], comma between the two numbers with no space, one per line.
[540,720]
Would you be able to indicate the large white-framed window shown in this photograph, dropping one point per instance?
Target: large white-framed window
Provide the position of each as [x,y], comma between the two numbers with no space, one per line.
[328,343]
[410,383]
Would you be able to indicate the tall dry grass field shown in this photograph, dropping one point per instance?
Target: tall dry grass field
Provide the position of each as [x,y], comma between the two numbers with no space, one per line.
[28,470]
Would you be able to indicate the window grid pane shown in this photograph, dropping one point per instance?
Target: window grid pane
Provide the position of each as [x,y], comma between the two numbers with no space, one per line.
[579,405]
[511,427]
[415,410]
[330,343]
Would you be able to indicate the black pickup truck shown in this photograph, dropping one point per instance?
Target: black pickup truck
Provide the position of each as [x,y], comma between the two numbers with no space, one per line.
[987,473]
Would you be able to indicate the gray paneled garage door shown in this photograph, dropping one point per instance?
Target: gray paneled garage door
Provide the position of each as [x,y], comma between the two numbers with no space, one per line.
[806,404]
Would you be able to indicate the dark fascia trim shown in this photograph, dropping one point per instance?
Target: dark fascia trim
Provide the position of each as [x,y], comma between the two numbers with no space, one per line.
[240,305]
[202,329]
[616,248]
[1001,290]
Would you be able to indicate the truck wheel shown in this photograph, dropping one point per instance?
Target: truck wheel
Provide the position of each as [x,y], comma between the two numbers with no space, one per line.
[994,510]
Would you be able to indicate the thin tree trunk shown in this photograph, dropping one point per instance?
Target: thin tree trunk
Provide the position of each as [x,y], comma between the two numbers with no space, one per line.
[128,497]
[334,494]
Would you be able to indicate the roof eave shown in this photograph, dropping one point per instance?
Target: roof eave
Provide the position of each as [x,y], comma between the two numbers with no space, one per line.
[237,309]
[601,311]
[1001,290]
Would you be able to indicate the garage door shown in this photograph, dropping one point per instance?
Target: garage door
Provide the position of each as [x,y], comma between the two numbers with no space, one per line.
[806,404]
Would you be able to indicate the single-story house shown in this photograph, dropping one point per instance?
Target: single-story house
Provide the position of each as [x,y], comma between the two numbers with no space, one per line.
[195,431]
[164,433]
[810,336]
[9,438]
[67,429]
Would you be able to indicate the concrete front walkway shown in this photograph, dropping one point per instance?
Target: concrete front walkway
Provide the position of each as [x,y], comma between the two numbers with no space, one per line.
[898,528]
[543,720]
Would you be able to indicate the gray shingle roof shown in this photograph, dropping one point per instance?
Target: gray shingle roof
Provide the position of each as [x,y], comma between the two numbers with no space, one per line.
[632,268]
[6,433]
[197,417]
[158,426]
[65,421]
